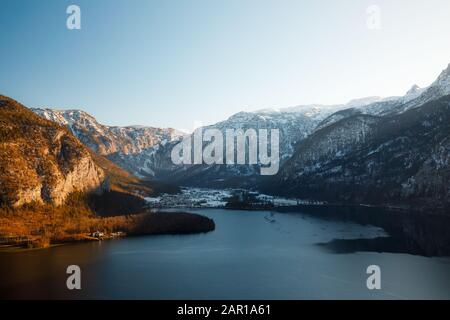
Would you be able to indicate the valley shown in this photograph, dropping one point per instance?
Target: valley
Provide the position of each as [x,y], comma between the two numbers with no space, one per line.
[224,150]
[79,176]
[378,151]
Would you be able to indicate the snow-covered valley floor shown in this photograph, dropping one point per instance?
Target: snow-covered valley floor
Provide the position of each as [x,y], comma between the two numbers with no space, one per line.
[214,198]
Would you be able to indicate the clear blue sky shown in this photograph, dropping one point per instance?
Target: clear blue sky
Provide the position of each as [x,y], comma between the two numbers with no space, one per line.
[170,63]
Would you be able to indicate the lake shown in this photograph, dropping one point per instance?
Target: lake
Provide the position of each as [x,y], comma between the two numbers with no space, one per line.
[250,255]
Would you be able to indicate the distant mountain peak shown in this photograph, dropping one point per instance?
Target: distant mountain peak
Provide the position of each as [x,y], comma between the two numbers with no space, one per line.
[414,89]
[443,80]
[413,93]
[439,88]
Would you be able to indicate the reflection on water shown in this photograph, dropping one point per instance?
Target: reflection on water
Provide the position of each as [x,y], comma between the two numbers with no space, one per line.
[411,232]
[250,255]
[381,244]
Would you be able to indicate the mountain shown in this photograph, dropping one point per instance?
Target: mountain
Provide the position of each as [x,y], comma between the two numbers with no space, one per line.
[54,189]
[319,145]
[40,160]
[294,125]
[145,151]
[439,88]
[401,159]
[376,106]
[390,152]
[319,111]
[43,162]
[122,145]
[413,98]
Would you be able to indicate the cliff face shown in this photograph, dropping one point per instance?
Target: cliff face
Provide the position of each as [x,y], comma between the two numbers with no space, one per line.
[40,161]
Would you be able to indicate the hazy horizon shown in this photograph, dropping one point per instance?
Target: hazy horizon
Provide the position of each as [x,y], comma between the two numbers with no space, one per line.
[174,64]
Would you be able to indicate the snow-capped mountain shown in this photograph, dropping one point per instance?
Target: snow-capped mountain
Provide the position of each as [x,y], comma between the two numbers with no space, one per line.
[319,112]
[320,145]
[414,92]
[104,139]
[439,88]
[397,160]
[389,152]
[119,144]
[145,151]
[294,125]
[155,162]
[414,97]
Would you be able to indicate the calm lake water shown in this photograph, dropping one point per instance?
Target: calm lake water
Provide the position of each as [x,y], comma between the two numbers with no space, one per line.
[250,255]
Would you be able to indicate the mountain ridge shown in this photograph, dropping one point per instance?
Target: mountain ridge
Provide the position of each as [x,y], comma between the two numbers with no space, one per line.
[396,160]
[336,131]
[105,139]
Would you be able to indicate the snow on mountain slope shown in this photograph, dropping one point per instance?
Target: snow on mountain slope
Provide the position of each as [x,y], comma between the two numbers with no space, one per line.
[394,151]
[294,125]
[319,112]
[414,97]
[399,159]
[439,88]
[146,151]
[107,140]
[119,144]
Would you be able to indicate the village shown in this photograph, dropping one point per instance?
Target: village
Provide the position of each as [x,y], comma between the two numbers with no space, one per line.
[213,198]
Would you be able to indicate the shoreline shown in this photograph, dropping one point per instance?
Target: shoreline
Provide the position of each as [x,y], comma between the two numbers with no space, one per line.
[179,221]
[145,224]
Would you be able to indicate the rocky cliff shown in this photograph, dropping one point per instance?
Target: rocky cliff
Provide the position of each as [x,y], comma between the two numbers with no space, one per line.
[127,146]
[41,161]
